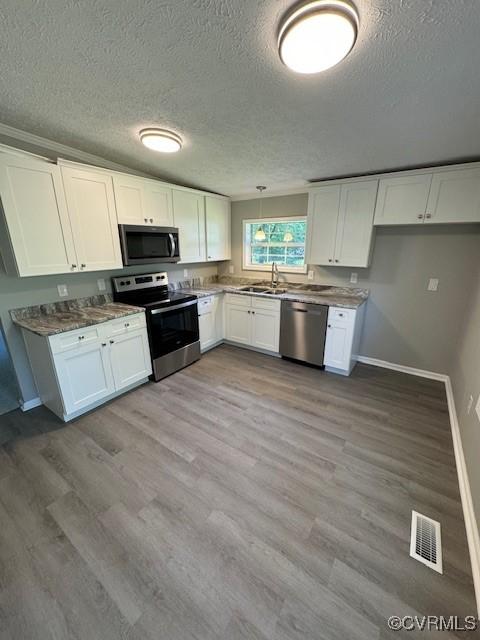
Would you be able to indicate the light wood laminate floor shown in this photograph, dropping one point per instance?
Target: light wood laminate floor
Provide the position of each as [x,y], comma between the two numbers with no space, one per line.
[245,497]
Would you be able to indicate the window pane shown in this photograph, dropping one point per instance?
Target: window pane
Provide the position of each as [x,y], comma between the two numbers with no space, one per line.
[284,242]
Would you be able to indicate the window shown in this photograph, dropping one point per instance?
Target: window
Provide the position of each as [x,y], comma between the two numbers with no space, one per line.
[279,240]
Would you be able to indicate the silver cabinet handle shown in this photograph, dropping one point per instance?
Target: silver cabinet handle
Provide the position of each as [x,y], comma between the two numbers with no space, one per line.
[82,266]
[145,219]
[420,216]
[429,215]
[177,306]
[151,219]
[74,266]
[112,341]
[330,260]
[104,344]
[337,260]
[127,324]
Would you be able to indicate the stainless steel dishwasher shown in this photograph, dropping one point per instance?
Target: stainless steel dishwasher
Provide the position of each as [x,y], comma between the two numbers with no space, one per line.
[302,331]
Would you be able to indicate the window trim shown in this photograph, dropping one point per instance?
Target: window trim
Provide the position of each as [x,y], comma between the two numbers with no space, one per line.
[246,266]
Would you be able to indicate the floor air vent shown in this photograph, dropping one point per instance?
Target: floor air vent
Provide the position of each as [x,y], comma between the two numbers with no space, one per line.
[426,541]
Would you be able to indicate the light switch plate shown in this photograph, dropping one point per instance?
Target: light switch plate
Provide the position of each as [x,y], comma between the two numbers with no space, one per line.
[62,290]
[101,284]
[185,273]
[432,284]
[354,277]
[231,269]
[311,273]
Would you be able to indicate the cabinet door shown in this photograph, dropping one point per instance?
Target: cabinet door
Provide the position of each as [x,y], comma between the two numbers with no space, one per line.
[129,200]
[266,330]
[130,357]
[206,324]
[323,206]
[217,213]
[91,205]
[355,224]
[454,197]
[84,376]
[402,200]
[158,204]
[189,217]
[237,321]
[339,338]
[36,215]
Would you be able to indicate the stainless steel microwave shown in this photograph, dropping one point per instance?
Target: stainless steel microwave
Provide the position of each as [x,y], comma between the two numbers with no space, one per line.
[148,245]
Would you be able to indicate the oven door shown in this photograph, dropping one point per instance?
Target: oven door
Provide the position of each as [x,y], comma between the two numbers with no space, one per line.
[172,328]
[148,245]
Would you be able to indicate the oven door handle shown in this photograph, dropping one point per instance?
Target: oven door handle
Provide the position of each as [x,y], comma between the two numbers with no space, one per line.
[172,245]
[177,306]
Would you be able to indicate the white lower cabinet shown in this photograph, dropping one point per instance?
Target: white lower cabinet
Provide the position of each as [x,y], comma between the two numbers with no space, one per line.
[252,321]
[84,376]
[77,370]
[342,339]
[210,321]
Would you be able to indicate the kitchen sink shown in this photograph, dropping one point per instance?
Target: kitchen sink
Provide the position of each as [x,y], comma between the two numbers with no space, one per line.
[276,292]
[255,289]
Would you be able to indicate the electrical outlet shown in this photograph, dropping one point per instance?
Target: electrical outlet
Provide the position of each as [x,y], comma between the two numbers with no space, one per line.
[432,284]
[354,277]
[185,273]
[101,284]
[231,269]
[310,275]
[62,290]
[469,404]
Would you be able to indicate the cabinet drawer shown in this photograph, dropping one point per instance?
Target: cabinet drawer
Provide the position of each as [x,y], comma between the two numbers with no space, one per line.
[125,324]
[74,339]
[266,303]
[205,305]
[339,316]
[241,301]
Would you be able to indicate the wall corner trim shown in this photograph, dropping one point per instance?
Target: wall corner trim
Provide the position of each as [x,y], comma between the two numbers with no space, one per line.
[471,526]
[30,404]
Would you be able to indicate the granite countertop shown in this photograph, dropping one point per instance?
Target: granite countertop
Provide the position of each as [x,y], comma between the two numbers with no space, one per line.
[68,315]
[345,297]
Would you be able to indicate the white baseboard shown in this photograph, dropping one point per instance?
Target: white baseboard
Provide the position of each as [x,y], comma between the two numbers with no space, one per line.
[30,404]
[421,373]
[473,535]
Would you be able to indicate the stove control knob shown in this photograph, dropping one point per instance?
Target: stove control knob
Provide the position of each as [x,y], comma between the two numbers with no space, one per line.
[128,282]
[122,283]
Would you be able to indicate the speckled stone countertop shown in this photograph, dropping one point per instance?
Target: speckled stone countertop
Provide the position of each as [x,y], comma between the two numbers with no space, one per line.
[345,297]
[68,315]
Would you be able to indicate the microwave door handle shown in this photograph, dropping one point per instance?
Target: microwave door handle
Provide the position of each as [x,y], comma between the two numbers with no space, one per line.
[172,244]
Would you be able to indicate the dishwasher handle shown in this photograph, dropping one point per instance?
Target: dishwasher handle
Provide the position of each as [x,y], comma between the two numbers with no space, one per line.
[303,307]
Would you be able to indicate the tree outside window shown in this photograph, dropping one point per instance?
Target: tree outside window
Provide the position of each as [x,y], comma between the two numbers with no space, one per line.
[279,240]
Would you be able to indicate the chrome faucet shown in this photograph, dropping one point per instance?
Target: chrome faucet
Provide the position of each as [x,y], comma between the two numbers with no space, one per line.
[274,283]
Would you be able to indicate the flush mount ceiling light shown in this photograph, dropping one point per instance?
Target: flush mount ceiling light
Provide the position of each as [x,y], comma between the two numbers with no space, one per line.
[161,140]
[317,35]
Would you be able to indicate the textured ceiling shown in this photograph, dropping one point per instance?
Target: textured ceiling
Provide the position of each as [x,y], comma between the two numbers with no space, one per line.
[90,74]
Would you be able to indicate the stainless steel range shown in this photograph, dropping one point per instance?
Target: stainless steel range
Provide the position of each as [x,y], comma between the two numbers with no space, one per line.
[172,320]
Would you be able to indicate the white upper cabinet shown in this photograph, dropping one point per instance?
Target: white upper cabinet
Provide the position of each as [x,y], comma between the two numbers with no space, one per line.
[454,197]
[355,224]
[91,206]
[36,217]
[340,224]
[323,207]
[189,217]
[403,199]
[158,204]
[217,215]
[141,201]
